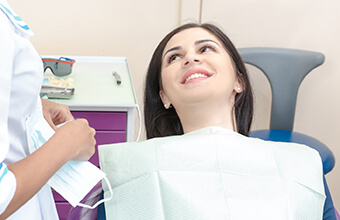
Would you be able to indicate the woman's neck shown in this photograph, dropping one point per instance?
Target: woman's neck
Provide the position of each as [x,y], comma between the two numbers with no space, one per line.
[195,117]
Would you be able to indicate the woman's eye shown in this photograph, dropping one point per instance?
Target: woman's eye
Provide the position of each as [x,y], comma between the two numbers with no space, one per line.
[173,58]
[206,49]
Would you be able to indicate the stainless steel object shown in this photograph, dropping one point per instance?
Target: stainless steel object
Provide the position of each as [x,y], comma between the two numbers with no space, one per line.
[57,92]
[118,79]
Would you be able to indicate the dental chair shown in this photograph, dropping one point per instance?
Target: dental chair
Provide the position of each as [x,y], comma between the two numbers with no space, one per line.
[285,70]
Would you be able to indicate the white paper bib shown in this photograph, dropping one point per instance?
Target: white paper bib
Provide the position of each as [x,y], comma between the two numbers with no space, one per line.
[212,173]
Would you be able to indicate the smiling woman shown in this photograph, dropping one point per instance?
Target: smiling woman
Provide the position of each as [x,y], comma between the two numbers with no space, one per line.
[197,89]
[194,70]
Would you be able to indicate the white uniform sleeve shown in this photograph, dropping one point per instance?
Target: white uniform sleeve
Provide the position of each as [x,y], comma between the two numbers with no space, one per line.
[7,178]
[7,187]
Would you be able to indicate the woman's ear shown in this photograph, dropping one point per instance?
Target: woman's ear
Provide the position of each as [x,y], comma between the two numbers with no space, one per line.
[164,99]
[238,88]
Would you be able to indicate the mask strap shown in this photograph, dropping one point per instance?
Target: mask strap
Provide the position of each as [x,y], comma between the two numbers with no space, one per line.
[100,201]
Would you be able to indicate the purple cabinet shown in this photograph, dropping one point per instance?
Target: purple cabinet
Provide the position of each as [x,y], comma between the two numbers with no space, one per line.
[104,121]
[111,127]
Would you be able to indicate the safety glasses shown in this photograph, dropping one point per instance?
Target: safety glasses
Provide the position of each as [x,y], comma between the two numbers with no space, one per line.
[59,67]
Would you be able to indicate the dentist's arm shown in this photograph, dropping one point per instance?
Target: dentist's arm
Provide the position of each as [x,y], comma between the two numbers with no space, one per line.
[75,140]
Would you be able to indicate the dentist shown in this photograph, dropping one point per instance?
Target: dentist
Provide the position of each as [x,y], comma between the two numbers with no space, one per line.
[23,176]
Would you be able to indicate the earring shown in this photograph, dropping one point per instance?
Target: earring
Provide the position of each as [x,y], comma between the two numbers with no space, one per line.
[167,106]
[238,89]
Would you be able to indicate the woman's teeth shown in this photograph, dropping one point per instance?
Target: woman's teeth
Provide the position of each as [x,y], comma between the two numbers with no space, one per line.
[194,76]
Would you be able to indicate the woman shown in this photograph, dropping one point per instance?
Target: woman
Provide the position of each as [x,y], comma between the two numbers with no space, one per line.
[196,79]
[163,121]
[23,176]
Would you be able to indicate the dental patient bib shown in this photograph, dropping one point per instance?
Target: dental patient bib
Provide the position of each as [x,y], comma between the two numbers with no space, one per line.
[212,173]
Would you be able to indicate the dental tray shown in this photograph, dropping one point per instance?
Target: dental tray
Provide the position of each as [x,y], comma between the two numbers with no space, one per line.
[57,92]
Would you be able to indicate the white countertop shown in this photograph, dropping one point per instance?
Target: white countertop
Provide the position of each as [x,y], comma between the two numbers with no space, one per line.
[96,86]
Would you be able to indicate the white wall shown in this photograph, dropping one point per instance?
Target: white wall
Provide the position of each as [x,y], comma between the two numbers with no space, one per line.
[134,28]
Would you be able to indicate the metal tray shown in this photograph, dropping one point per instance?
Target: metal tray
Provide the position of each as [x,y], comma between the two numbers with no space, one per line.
[57,92]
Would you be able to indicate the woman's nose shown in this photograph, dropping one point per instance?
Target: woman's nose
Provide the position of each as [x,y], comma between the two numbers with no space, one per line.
[191,59]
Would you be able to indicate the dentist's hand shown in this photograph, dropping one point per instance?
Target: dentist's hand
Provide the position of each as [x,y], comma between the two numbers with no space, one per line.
[74,140]
[55,113]
[77,139]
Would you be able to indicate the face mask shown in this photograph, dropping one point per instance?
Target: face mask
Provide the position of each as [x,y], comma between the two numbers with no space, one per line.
[76,178]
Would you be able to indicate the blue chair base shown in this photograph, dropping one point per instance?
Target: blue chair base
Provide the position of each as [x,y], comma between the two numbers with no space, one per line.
[327,156]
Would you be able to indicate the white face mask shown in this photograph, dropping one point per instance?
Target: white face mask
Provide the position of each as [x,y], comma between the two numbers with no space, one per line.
[73,180]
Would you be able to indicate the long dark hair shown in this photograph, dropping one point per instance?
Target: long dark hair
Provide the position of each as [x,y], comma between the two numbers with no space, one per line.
[161,122]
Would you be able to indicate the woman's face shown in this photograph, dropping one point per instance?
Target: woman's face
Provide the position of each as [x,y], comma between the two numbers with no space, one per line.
[195,66]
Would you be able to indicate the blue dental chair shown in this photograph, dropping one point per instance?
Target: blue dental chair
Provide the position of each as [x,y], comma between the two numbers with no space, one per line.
[285,70]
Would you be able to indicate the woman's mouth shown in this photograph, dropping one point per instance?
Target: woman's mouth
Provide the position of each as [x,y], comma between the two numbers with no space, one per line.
[195,75]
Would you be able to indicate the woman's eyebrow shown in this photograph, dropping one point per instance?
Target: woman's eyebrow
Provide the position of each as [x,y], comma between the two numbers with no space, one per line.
[172,49]
[204,41]
[196,43]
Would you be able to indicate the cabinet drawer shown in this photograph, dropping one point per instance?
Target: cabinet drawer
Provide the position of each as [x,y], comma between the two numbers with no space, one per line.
[112,121]
[63,208]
